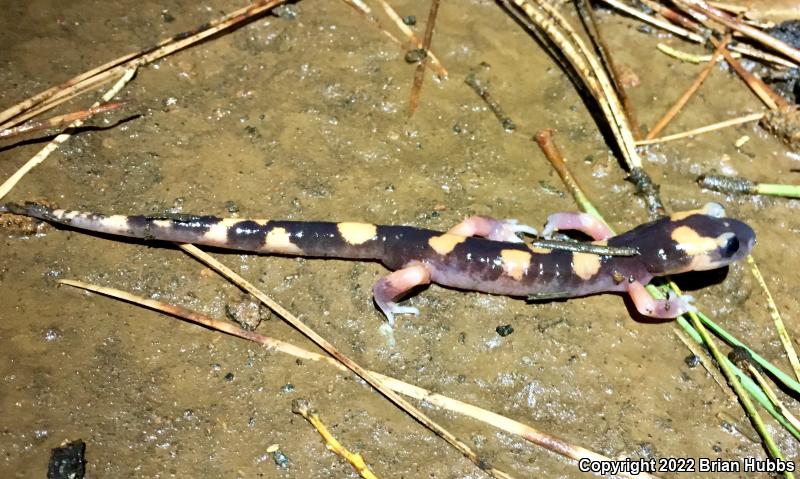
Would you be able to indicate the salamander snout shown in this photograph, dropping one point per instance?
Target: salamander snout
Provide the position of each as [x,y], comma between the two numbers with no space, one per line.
[711,243]
[736,243]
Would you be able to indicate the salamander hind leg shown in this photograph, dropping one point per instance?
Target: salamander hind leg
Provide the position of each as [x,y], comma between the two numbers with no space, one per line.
[394,285]
[669,308]
[491,228]
[582,222]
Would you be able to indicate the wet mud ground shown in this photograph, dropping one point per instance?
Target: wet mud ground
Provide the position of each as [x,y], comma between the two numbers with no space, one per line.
[305,118]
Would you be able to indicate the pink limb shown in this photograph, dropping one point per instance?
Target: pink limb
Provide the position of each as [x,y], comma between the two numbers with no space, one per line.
[669,308]
[491,228]
[582,222]
[394,285]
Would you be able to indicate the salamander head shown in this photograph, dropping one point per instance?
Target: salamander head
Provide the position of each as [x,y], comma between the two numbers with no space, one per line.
[696,240]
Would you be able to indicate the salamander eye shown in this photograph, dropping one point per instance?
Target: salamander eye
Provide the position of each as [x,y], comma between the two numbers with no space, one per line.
[729,247]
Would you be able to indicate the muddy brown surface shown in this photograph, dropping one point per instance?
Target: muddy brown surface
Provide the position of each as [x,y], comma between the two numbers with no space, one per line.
[305,118]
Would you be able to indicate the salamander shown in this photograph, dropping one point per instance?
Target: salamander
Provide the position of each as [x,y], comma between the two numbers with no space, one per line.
[480,253]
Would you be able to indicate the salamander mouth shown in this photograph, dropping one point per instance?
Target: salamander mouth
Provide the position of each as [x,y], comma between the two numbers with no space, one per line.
[746,237]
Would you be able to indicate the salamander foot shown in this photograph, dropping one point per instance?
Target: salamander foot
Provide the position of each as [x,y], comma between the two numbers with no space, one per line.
[394,285]
[582,222]
[669,308]
[492,228]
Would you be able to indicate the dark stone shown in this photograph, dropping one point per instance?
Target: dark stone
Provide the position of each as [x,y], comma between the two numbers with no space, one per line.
[67,461]
[504,330]
[692,360]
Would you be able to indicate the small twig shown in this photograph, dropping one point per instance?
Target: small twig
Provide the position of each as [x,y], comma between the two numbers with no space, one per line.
[733,380]
[302,407]
[775,371]
[739,185]
[649,190]
[693,30]
[413,38]
[361,8]
[419,73]
[747,382]
[67,94]
[743,28]
[681,32]
[598,83]
[57,141]
[765,93]
[194,317]
[601,84]
[744,49]
[586,11]
[97,76]
[772,396]
[638,177]
[572,47]
[366,375]
[584,247]
[737,425]
[735,9]
[771,189]
[705,129]
[25,105]
[695,85]
[776,317]
[545,141]
[674,16]
[483,92]
[686,57]
[706,361]
[57,121]
[547,441]
[710,27]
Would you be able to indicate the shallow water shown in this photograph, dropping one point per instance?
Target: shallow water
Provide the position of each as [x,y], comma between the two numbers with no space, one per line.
[306,118]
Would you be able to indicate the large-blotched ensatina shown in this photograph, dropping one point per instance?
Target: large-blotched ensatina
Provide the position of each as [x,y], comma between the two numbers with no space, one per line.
[480,253]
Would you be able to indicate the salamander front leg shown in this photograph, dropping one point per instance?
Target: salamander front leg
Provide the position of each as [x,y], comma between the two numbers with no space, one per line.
[582,222]
[669,308]
[394,285]
[491,228]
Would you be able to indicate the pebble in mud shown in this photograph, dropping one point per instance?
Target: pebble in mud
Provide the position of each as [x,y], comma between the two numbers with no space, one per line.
[67,461]
[52,334]
[504,330]
[287,388]
[18,225]
[278,456]
[692,360]
[231,207]
[247,312]
[415,56]
[21,225]
[287,12]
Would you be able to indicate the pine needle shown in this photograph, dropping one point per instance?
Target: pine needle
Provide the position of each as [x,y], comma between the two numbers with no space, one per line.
[57,141]
[302,407]
[776,318]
